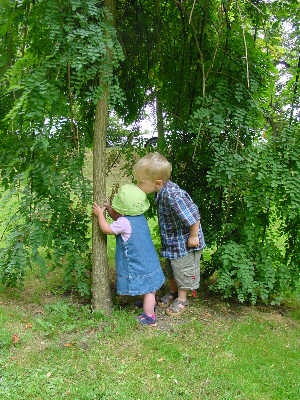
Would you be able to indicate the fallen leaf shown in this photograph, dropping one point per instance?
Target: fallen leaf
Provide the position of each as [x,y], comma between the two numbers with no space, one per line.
[161,359]
[29,325]
[207,314]
[68,344]
[15,338]
[49,374]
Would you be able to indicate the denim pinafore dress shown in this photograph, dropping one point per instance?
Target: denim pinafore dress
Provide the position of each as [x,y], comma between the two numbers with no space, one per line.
[138,267]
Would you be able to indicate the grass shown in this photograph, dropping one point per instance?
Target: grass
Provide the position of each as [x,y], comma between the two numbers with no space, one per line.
[215,350]
[53,347]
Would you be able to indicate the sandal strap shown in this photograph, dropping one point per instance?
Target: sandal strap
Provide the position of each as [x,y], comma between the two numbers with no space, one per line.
[175,306]
[146,320]
[142,316]
[182,303]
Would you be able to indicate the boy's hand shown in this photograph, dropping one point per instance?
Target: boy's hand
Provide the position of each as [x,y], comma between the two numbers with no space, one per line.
[193,241]
[97,210]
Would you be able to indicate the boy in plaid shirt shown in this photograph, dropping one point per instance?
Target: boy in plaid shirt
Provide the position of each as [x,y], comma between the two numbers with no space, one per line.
[180,229]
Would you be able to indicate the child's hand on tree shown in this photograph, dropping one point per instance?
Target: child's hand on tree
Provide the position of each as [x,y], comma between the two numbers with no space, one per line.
[98,210]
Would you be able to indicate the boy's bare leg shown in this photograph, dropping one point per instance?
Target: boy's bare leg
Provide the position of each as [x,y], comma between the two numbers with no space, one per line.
[182,295]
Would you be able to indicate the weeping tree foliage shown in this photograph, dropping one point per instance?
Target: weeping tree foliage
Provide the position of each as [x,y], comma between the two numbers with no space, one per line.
[225,120]
[53,54]
[230,127]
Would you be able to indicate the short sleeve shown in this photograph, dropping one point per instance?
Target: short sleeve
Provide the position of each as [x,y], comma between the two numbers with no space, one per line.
[121,226]
[186,210]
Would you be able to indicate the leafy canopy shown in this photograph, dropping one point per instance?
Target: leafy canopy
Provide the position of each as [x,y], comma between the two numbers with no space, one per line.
[229,124]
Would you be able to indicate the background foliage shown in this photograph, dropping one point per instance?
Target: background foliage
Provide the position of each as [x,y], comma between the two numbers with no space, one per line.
[52,59]
[228,123]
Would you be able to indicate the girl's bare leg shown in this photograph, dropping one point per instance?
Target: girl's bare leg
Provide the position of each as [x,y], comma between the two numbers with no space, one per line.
[149,304]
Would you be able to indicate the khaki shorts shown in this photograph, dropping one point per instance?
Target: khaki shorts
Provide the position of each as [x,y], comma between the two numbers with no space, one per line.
[185,270]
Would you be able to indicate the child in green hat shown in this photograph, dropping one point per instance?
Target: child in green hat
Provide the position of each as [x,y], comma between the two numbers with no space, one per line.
[137,264]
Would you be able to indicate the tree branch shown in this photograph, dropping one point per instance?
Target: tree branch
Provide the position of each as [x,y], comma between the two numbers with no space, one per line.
[295,90]
[245,44]
[192,11]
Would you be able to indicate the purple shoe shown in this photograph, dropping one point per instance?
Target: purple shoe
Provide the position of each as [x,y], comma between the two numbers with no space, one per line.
[144,319]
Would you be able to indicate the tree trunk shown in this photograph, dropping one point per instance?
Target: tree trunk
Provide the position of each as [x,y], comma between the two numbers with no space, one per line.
[100,280]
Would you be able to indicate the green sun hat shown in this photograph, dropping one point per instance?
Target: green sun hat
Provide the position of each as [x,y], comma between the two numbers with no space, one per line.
[130,200]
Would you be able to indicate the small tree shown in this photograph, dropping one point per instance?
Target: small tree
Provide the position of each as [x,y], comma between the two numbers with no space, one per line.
[54,53]
[100,280]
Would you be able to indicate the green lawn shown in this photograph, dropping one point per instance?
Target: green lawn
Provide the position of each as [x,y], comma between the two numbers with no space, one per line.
[53,347]
[214,351]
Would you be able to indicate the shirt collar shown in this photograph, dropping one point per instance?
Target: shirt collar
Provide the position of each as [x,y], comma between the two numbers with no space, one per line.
[163,189]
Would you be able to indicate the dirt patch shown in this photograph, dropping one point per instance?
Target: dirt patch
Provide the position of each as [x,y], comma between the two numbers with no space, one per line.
[205,309]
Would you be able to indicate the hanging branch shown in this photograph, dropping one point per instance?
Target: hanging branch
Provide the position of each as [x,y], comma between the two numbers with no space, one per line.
[192,11]
[11,53]
[197,139]
[119,153]
[245,44]
[227,210]
[205,74]
[70,97]
[198,44]
[201,59]
[225,11]
[74,132]
[183,58]
[25,29]
[226,15]
[254,5]
[266,223]
[215,52]
[295,91]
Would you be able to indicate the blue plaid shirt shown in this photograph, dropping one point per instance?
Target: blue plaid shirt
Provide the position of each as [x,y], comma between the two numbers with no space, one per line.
[176,213]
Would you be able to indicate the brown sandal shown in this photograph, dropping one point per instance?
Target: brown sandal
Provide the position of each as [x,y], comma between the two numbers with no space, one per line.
[177,307]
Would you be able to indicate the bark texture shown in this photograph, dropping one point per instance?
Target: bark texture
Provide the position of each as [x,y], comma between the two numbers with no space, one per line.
[101,293]
[100,280]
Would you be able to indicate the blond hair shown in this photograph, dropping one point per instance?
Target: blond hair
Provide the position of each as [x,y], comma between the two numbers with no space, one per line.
[153,166]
